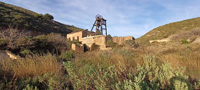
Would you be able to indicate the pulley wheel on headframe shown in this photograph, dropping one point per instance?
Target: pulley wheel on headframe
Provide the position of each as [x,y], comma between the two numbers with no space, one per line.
[98,16]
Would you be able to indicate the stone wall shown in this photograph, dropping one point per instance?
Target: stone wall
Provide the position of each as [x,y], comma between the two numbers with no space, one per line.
[121,40]
[78,48]
[95,42]
[77,35]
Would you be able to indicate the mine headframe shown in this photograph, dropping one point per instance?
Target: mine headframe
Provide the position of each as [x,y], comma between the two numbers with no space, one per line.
[100,24]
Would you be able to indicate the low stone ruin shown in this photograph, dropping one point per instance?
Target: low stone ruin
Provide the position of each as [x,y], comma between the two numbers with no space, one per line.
[94,42]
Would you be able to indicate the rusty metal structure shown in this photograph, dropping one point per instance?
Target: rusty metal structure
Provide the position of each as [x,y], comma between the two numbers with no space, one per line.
[100,24]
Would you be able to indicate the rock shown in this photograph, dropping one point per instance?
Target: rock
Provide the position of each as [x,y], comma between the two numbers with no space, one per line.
[196,41]
[3,55]
[11,55]
[7,55]
[162,40]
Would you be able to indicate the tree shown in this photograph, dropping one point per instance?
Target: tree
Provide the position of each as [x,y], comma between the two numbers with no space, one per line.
[48,16]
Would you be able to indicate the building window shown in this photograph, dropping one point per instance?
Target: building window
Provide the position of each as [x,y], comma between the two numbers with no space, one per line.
[77,38]
[73,39]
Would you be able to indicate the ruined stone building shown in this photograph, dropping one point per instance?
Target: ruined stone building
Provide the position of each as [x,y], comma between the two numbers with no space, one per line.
[77,35]
[121,40]
[89,39]
[95,42]
[91,42]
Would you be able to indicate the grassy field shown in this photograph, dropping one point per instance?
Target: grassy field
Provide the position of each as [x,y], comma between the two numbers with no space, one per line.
[157,66]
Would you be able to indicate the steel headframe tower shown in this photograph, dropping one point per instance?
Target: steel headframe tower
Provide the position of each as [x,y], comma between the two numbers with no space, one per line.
[100,24]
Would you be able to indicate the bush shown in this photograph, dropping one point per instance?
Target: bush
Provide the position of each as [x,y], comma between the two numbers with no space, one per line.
[110,43]
[30,87]
[67,56]
[152,76]
[22,43]
[184,41]
[38,17]
[180,83]
[48,16]
[131,43]
[12,38]
[54,43]
[76,42]
[46,81]
[149,76]
[25,52]
[2,43]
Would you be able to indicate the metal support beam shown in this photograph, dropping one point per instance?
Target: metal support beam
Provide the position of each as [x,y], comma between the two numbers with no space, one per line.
[99,23]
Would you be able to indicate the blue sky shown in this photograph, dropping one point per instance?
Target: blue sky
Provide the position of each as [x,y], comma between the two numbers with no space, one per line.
[124,17]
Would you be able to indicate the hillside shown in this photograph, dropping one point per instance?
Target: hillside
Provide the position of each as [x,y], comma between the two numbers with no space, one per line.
[176,43]
[170,29]
[20,18]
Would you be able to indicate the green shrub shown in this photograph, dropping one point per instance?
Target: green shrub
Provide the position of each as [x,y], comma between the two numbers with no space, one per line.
[94,77]
[184,41]
[25,52]
[131,43]
[76,42]
[110,43]
[30,87]
[180,83]
[149,76]
[54,43]
[197,84]
[48,16]
[3,42]
[42,82]
[38,16]
[67,56]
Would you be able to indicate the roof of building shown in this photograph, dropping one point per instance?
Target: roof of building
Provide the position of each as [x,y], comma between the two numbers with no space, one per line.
[77,32]
[93,36]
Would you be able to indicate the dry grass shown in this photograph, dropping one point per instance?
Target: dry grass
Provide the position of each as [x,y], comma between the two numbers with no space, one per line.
[32,65]
[190,61]
[124,60]
[192,35]
[169,29]
[179,55]
[179,52]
